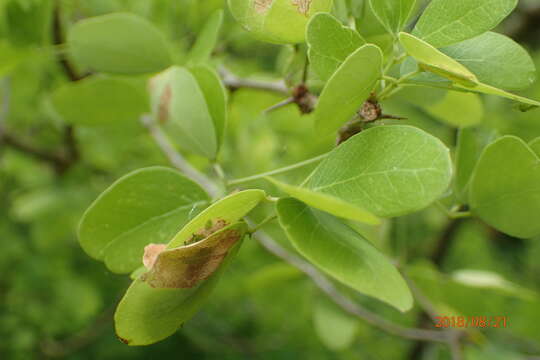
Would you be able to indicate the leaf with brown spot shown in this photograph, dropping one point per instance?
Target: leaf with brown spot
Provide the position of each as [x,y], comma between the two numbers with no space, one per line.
[147,315]
[262,6]
[186,266]
[151,252]
[302,5]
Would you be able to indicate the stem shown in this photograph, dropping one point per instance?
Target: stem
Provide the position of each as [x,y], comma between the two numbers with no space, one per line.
[176,159]
[233,82]
[262,224]
[396,85]
[278,171]
[344,302]
[320,280]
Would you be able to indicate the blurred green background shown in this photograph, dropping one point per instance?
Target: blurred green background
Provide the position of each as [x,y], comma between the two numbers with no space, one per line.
[56,302]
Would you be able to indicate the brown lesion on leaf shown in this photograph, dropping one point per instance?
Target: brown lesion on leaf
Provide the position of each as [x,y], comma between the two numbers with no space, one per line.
[211,227]
[262,6]
[151,252]
[165,97]
[186,266]
[165,104]
[302,6]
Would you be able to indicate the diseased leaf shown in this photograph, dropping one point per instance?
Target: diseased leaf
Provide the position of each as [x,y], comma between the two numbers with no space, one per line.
[207,39]
[496,60]
[146,206]
[147,315]
[328,203]
[387,170]
[446,22]
[330,43]
[505,187]
[342,253]
[120,43]
[99,101]
[277,21]
[433,60]
[350,86]
[229,209]
[186,266]
[393,14]
[179,102]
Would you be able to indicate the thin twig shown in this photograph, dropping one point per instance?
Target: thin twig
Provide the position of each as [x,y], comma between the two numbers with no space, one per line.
[70,141]
[279,105]
[453,336]
[176,159]
[234,82]
[345,303]
[58,40]
[57,160]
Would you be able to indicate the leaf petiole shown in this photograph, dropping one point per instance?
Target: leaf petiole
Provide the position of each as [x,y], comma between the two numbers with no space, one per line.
[278,171]
[262,224]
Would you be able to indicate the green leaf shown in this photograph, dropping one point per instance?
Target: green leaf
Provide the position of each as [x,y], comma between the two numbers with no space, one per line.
[277,21]
[371,29]
[458,109]
[387,170]
[393,14]
[350,86]
[229,209]
[467,154]
[336,329]
[26,25]
[147,315]
[99,101]
[328,203]
[433,60]
[119,43]
[523,103]
[215,96]
[496,60]
[179,102]
[342,253]
[330,43]
[446,22]
[505,187]
[490,280]
[147,206]
[207,39]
